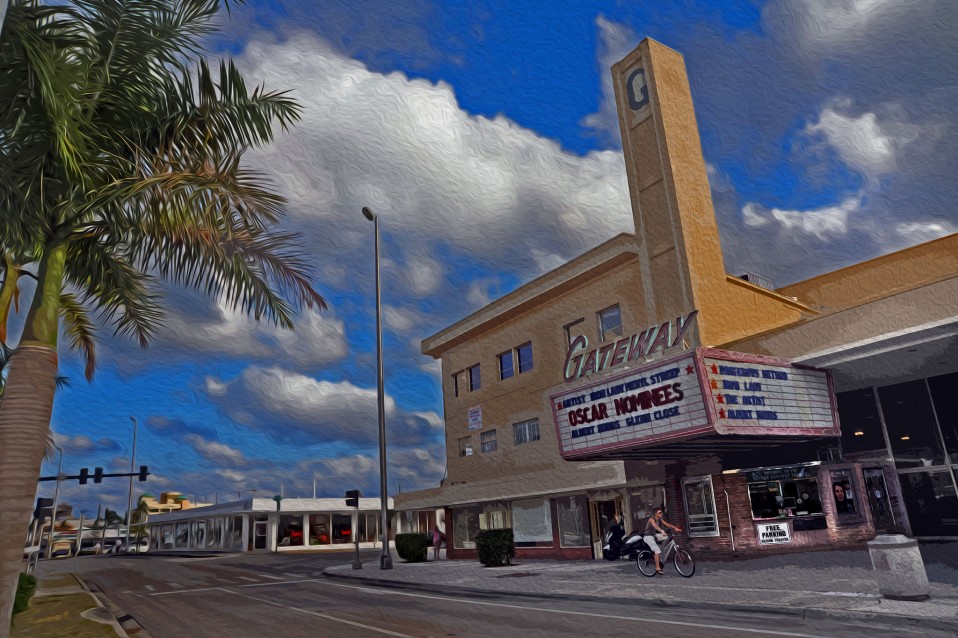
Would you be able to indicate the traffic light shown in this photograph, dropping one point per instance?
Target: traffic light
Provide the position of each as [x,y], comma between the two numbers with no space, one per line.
[84,476]
[98,475]
[144,472]
[352,498]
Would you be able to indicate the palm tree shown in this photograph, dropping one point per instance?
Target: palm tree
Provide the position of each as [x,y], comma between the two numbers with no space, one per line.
[120,167]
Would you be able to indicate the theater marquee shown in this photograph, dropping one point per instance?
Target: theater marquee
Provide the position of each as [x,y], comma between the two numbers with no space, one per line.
[703,392]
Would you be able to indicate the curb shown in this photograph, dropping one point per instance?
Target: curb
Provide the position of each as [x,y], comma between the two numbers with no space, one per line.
[126,623]
[802,612]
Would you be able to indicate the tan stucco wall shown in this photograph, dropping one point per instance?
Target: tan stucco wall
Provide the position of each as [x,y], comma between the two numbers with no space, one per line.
[880,277]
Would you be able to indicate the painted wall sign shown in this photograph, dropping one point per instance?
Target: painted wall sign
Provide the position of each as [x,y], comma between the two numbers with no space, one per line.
[774,534]
[780,474]
[580,360]
[475,418]
[675,398]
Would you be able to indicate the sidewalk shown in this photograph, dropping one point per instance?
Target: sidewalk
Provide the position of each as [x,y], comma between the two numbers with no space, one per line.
[834,583]
[62,607]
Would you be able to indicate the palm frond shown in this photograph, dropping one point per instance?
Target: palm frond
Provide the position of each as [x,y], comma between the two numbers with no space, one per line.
[80,330]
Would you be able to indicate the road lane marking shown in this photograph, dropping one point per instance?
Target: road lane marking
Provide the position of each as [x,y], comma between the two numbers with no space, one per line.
[270,576]
[643,619]
[252,580]
[320,615]
[150,587]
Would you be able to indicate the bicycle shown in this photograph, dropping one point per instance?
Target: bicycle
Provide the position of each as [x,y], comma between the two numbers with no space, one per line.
[681,559]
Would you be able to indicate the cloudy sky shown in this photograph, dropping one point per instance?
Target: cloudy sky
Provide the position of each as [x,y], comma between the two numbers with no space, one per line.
[483,134]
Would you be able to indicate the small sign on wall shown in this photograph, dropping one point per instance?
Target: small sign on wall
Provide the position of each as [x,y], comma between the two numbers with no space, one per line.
[475,418]
[774,534]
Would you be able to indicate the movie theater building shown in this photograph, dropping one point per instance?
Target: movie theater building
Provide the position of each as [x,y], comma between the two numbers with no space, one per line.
[640,374]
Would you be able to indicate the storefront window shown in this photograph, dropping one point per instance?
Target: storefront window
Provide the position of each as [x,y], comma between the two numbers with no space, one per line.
[782,499]
[290,531]
[573,521]
[199,535]
[494,516]
[700,506]
[862,435]
[319,529]
[912,430]
[932,503]
[465,522]
[531,522]
[234,532]
[944,396]
[167,535]
[843,493]
[342,528]
[182,535]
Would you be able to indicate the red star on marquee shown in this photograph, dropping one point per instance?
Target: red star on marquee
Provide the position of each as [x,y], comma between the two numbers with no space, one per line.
[714,369]
[714,384]
[689,369]
[721,413]
[720,398]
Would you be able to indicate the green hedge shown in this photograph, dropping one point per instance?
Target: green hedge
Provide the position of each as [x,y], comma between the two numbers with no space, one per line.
[496,547]
[25,588]
[412,548]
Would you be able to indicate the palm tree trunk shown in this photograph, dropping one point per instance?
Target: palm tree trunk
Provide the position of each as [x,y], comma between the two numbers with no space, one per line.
[7,292]
[25,422]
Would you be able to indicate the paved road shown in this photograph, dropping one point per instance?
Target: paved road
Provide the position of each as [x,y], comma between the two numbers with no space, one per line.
[287,596]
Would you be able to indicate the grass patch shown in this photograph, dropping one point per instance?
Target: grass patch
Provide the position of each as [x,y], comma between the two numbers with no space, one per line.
[59,616]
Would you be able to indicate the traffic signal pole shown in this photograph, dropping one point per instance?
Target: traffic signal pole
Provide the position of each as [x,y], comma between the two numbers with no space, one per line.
[352,500]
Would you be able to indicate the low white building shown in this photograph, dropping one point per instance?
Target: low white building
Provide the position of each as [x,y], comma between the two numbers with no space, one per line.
[255,524]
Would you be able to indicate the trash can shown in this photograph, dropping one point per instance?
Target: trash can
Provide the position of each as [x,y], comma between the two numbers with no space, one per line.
[898,566]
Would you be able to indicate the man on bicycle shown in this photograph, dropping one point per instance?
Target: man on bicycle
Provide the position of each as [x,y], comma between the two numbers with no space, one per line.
[655,531]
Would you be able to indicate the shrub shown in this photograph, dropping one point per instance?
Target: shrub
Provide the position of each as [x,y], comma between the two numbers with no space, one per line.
[496,547]
[412,548]
[26,585]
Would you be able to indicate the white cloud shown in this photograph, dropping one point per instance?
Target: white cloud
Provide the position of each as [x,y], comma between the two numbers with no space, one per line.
[216,452]
[836,21]
[434,174]
[400,319]
[917,232]
[862,141]
[831,221]
[616,40]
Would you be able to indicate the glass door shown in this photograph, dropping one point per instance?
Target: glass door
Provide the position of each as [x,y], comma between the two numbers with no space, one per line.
[259,534]
[878,500]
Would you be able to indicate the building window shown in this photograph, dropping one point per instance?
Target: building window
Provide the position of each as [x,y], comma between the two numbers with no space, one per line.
[475,379]
[342,528]
[506,369]
[573,521]
[610,323]
[290,530]
[782,499]
[455,384]
[910,419]
[319,529]
[465,446]
[572,330]
[526,431]
[944,396]
[862,434]
[531,522]
[524,353]
[465,526]
[700,506]
[487,441]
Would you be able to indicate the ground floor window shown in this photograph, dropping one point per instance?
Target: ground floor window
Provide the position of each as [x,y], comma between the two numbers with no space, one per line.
[700,506]
[494,516]
[182,535]
[932,502]
[465,521]
[368,528]
[531,522]
[843,493]
[784,498]
[342,528]
[319,529]
[573,521]
[290,533]
[643,501]
[234,532]
[199,534]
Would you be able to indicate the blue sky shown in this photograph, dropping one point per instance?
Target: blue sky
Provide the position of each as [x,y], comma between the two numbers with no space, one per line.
[484,136]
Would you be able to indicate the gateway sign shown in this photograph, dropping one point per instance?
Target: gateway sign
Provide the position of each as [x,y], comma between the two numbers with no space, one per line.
[703,392]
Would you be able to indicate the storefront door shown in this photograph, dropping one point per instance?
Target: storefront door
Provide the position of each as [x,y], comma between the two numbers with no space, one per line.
[259,534]
[601,515]
[878,498]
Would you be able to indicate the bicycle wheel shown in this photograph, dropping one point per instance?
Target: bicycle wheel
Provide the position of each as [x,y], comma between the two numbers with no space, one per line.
[646,563]
[683,562]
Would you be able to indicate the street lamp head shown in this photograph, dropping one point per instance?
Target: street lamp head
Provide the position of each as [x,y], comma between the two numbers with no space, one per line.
[368,214]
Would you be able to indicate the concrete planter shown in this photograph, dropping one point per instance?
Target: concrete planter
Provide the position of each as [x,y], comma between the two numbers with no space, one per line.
[899,568]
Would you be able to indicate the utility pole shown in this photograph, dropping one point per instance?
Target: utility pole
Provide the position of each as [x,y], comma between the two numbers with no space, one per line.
[129,501]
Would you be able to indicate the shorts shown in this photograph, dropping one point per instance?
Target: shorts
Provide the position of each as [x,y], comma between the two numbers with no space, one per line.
[650,541]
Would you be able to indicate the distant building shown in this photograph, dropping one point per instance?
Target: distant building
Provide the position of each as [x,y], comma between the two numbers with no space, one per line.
[255,524]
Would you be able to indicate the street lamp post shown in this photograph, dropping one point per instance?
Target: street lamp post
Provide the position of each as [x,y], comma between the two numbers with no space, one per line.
[56,502]
[385,560]
[129,500]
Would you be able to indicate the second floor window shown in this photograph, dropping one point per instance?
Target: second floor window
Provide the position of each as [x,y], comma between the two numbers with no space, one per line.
[524,353]
[487,441]
[610,323]
[465,446]
[526,431]
[475,380]
[506,369]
